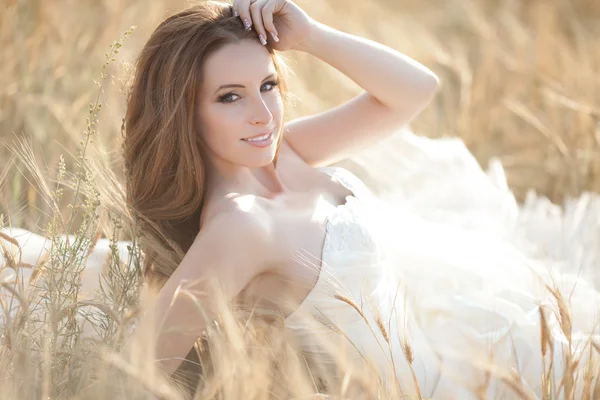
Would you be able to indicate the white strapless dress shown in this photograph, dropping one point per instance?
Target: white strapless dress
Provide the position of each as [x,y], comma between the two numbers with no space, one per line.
[455,283]
[439,251]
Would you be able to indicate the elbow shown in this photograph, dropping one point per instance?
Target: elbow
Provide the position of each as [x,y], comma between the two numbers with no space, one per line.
[427,90]
[411,99]
[431,86]
[418,98]
[436,82]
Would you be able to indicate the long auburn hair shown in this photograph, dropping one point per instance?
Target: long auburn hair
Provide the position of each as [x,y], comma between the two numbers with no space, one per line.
[164,153]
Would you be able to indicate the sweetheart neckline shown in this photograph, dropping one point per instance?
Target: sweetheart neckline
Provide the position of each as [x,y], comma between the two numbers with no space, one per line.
[326,225]
[320,273]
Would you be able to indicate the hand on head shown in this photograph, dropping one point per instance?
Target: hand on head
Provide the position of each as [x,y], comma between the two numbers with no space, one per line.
[281,23]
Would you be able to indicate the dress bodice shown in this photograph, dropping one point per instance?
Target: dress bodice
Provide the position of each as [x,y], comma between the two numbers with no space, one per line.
[453,294]
[350,255]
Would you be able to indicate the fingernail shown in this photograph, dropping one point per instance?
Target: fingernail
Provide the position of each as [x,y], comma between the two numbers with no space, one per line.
[275,38]
[247,24]
[262,39]
[236,14]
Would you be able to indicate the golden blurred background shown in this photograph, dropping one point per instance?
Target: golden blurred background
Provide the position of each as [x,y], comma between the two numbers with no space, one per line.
[520,81]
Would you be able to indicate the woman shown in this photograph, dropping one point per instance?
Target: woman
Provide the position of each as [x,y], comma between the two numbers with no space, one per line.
[237,203]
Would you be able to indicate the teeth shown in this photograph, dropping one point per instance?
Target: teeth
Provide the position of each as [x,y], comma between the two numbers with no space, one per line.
[258,139]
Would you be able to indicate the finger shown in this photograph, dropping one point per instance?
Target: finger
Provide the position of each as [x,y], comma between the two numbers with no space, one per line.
[243,9]
[267,16]
[234,8]
[257,20]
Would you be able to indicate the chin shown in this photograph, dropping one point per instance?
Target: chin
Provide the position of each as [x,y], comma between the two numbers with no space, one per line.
[266,161]
[263,160]
[255,159]
[259,157]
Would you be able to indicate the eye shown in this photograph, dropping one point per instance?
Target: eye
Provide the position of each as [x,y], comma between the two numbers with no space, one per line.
[273,84]
[230,97]
[227,98]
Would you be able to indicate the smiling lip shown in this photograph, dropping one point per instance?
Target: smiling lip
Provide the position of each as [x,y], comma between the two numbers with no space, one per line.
[261,143]
[257,136]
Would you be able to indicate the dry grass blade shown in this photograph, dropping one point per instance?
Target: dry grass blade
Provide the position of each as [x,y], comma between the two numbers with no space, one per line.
[105,308]
[572,104]
[25,265]
[544,332]
[22,300]
[567,382]
[588,378]
[23,151]
[521,110]
[407,351]
[546,342]
[156,386]
[408,355]
[326,321]
[8,255]
[389,354]
[351,303]
[514,382]
[566,324]
[6,172]
[355,306]
[10,240]
[381,326]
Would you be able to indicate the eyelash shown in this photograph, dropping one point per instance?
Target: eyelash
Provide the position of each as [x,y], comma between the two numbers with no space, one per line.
[223,98]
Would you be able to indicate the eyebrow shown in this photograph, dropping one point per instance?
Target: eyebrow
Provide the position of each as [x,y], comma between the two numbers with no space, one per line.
[237,85]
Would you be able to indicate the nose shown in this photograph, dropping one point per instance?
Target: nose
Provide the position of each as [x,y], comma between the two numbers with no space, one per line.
[260,112]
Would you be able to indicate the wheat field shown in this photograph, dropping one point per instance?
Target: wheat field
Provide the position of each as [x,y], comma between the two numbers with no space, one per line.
[520,82]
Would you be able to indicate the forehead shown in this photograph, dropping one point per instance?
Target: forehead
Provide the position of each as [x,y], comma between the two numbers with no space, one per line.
[245,61]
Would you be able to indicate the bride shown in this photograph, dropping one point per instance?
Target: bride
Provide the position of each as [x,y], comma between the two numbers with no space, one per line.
[233,199]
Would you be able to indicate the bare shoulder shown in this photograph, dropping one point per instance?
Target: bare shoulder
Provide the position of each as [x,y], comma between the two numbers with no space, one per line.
[231,249]
[241,219]
[238,234]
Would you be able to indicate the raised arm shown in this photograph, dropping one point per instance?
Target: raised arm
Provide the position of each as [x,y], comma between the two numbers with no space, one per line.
[228,252]
[396,87]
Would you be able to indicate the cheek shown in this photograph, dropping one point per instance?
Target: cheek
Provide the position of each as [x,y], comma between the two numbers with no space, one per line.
[221,125]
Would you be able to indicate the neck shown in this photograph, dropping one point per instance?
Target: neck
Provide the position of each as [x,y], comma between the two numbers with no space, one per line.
[273,179]
[264,181]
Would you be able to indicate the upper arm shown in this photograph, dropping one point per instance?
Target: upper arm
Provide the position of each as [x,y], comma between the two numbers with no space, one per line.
[336,134]
[225,256]
[230,249]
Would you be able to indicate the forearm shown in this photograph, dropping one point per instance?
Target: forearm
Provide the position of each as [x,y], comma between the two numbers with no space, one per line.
[166,331]
[178,329]
[388,75]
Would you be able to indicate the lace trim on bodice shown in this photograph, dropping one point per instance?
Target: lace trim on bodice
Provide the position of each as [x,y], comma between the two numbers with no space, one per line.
[347,228]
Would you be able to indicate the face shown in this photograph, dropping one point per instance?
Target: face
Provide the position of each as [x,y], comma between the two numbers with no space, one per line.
[240,99]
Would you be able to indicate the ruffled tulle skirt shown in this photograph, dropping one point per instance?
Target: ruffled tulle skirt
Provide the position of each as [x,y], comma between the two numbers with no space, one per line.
[483,294]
